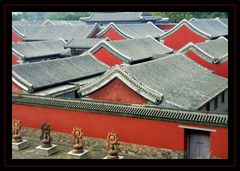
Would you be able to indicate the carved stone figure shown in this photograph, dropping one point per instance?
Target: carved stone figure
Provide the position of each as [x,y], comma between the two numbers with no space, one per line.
[112,146]
[77,140]
[45,136]
[16,131]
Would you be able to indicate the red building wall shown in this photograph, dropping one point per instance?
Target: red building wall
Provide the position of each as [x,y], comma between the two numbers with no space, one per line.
[166,27]
[16,38]
[219,69]
[95,33]
[106,57]
[112,35]
[117,91]
[14,59]
[181,37]
[155,133]
[16,89]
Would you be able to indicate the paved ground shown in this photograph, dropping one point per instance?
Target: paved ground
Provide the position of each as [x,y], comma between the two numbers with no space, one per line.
[31,153]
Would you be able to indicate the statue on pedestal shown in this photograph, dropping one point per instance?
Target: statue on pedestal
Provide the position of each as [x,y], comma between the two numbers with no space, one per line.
[112,146]
[77,140]
[45,136]
[16,131]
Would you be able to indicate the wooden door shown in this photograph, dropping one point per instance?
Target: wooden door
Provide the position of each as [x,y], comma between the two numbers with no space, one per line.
[198,146]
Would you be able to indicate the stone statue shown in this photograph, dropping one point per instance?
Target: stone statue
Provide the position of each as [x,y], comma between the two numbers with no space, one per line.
[112,146]
[77,140]
[16,131]
[45,136]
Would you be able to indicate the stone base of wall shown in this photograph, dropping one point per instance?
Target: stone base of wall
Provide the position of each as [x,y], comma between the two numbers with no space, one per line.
[139,151]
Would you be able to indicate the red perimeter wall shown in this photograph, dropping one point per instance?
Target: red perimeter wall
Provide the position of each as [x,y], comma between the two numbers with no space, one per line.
[181,37]
[117,91]
[219,69]
[16,38]
[155,133]
[106,57]
[112,35]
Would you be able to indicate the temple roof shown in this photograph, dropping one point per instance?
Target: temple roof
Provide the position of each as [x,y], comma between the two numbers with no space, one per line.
[51,32]
[134,30]
[214,51]
[173,82]
[86,43]
[53,22]
[119,16]
[39,75]
[223,20]
[208,28]
[31,50]
[133,50]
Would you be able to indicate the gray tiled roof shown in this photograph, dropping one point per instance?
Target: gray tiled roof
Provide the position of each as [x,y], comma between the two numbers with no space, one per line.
[140,30]
[39,22]
[118,16]
[40,48]
[211,27]
[26,23]
[127,110]
[216,48]
[51,32]
[224,20]
[213,51]
[139,49]
[83,43]
[183,82]
[55,72]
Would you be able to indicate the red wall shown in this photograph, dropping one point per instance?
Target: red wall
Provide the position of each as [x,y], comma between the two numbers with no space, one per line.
[219,69]
[133,130]
[166,27]
[14,59]
[181,37]
[219,145]
[106,57]
[117,91]
[112,35]
[16,89]
[16,38]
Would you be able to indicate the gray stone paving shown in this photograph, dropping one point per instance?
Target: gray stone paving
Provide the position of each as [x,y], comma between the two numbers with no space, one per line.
[31,153]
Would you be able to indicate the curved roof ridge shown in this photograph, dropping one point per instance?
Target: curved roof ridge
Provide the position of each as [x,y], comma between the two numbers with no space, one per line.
[18,32]
[119,72]
[112,25]
[47,21]
[149,22]
[17,79]
[96,26]
[189,25]
[106,45]
[192,45]
[160,43]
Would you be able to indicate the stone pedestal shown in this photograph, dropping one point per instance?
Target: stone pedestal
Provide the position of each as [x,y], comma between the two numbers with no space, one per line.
[80,155]
[20,145]
[46,151]
[119,157]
